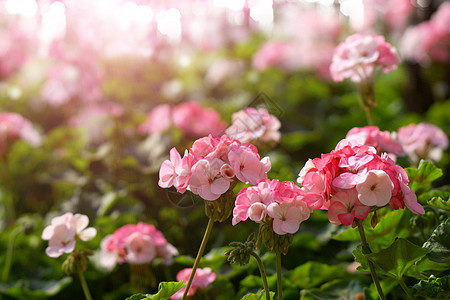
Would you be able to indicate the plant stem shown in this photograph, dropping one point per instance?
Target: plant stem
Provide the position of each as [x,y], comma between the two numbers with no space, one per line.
[406,289]
[279,284]
[9,252]
[83,282]
[263,274]
[199,256]
[366,250]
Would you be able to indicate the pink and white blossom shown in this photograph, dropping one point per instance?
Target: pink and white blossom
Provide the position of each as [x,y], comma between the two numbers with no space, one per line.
[13,127]
[63,232]
[423,141]
[382,141]
[135,244]
[356,169]
[360,55]
[282,202]
[202,278]
[254,124]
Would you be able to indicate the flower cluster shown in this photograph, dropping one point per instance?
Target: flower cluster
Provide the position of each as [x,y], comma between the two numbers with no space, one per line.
[13,127]
[63,232]
[360,55]
[350,180]
[211,165]
[202,278]
[429,41]
[382,141]
[192,118]
[252,124]
[284,202]
[423,141]
[135,244]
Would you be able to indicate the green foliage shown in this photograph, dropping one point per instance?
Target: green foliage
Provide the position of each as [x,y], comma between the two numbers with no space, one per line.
[34,288]
[439,244]
[433,288]
[395,260]
[337,289]
[165,290]
[313,273]
[421,178]
[260,296]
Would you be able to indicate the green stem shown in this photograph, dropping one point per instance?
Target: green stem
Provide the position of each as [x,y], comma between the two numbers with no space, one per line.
[263,274]
[9,252]
[279,284]
[199,256]
[83,282]
[366,250]
[406,289]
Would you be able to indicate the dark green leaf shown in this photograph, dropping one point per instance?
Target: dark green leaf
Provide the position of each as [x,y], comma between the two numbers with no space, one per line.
[34,288]
[434,288]
[421,178]
[260,296]
[339,289]
[387,285]
[313,273]
[439,243]
[360,258]
[395,260]
[165,290]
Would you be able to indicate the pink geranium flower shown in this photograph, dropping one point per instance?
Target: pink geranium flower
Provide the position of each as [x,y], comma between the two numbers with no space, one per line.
[358,170]
[212,165]
[284,202]
[135,244]
[63,232]
[158,120]
[345,207]
[382,141]
[359,56]
[423,141]
[13,127]
[202,278]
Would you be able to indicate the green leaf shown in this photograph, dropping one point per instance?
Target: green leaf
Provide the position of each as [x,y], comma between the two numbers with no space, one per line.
[421,178]
[395,260]
[390,226]
[387,285]
[34,288]
[434,288]
[260,296]
[338,289]
[439,243]
[313,273]
[165,290]
[360,258]
[438,202]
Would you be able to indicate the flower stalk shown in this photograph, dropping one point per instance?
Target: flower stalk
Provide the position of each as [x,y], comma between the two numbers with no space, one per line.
[83,282]
[263,274]
[199,256]
[366,250]
[9,252]
[279,283]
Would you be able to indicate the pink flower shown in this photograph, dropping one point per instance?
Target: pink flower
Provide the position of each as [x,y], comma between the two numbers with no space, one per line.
[429,41]
[358,170]
[63,232]
[423,141]
[13,127]
[205,180]
[195,120]
[275,54]
[140,249]
[288,216]
[202,278]
[345,207]
[211,165]
[252,124]
[158,120]
[135,244]
[375,189]
[282,201]
[247,165]
[382,141]
[359,56]
[176,171]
